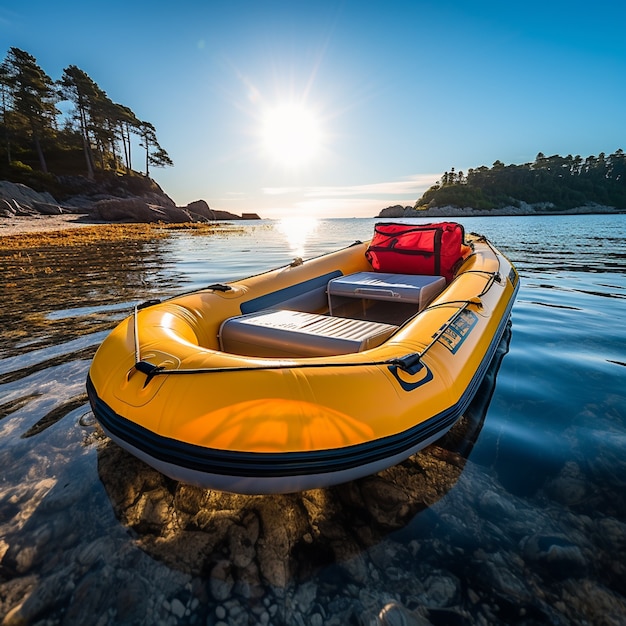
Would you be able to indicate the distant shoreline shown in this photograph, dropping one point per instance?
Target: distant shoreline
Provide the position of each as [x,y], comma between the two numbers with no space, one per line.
[509,211]
[50,223]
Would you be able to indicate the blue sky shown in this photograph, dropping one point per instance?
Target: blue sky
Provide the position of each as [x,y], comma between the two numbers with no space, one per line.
[389,94]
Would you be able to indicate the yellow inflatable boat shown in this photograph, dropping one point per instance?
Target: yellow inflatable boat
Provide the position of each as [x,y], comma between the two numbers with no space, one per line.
[305,376]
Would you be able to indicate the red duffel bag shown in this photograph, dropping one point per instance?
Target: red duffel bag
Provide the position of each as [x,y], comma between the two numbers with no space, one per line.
[431,249]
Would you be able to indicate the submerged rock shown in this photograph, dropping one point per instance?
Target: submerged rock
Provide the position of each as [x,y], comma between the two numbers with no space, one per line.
[556,553]
[283,537]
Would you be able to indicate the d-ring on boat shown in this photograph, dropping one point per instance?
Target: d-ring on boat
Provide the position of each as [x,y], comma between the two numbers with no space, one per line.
[311,374]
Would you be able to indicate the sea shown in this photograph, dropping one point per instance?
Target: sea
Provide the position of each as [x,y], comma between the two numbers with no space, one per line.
[518,516]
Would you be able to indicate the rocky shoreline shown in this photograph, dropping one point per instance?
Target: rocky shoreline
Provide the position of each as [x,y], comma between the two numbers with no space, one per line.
[540,208]
[23,210]
[101,203]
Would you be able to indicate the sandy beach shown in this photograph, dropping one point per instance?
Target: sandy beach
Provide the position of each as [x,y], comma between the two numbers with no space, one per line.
[42,223]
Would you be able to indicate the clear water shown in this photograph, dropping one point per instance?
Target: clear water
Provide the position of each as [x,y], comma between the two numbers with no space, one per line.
[519,517]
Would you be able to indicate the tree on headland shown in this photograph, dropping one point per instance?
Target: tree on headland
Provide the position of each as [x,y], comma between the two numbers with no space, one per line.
[127,122]
[31,112]
[78,88]
[95,126]
[106,126]
[5,96]
[155,155]
[564,182]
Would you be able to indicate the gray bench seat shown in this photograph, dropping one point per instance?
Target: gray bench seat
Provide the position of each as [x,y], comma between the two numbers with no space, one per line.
[413,289]
[285,333]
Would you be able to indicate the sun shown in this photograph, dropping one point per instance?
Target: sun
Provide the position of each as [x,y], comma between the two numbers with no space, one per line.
[291,135]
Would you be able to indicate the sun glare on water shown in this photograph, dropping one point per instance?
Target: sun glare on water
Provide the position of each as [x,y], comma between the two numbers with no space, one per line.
[297,231]
[291,135]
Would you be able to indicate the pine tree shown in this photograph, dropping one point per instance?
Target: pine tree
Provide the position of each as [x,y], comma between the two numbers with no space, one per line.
[5,99]
[33,99]
[78,88]
[155,155]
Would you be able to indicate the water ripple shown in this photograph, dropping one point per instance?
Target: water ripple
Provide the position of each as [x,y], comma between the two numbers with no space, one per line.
[57,414]
[13,368]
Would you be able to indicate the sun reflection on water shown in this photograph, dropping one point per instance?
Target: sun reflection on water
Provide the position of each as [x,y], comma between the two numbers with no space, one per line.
[298,230]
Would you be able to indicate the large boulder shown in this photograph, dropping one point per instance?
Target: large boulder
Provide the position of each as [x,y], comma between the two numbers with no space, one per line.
[110,185]
[201,208]
[18,199]
[24,195]
[396,211]
[6,208]
[48,208]
[139,210]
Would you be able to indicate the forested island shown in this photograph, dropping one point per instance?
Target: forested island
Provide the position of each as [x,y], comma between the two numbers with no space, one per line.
[553,184]
[564,182]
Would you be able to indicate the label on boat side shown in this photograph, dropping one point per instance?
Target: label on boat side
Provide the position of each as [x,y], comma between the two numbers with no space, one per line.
[454,336]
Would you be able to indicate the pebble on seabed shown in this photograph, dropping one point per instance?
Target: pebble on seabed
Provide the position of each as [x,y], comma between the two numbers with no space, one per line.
[395,614]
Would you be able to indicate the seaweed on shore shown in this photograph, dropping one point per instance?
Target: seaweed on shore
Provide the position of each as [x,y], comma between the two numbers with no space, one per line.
[88,235]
